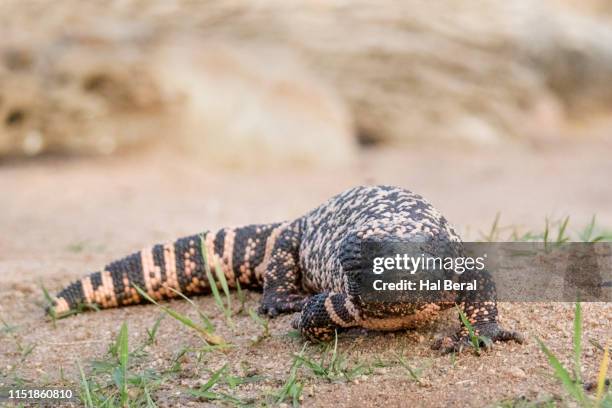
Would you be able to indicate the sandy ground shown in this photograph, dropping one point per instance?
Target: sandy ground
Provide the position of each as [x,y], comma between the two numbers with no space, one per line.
[61,218]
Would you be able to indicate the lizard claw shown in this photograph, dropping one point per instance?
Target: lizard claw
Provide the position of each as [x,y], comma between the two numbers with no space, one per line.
[267,311]
[497,333]
[295,322]
[450,344]
[486,336]
[288,304]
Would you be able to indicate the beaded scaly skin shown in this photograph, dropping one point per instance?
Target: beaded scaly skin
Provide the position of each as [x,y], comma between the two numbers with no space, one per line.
[306,265]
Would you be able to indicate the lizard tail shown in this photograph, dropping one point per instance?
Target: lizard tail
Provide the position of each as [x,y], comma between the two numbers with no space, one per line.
[241,252]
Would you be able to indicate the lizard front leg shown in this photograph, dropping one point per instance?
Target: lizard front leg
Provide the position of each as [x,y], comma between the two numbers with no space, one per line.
[482,315]
[282,277]
[325,313]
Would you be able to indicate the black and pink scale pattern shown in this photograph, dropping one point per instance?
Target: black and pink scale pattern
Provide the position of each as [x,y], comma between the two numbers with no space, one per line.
[305,265]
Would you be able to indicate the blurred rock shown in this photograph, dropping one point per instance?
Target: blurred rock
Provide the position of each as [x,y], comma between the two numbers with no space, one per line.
[477,71]
[273,82]
[223,104]
[76,97]
[517,372]
[599,8]
[255,106]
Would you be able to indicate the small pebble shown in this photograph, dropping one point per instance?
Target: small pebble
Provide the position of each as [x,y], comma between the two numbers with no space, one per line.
[517,372]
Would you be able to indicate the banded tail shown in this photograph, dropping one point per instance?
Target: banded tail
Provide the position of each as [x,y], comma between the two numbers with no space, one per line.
[243,254]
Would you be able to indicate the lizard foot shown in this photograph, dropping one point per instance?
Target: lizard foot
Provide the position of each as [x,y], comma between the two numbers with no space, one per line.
[486,335]
[312,332]
[272,307]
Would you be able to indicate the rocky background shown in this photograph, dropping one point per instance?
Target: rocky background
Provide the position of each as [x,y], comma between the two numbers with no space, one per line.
[273,82]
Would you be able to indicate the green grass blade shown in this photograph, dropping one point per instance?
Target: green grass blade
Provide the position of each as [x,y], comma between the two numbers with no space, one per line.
[208,324]
[241,296]
[205,393]
[561,238]
[217,295]
[214,379]
[577,342]
[412,372]
[234,381]
[546,233]
[215,291]
[148,399]
[562,374]
[211,280]
[207,336]
[291,382]
[7,328]
[221,278]
[493,232]
[587,232]
[152,332]
[122,347]
[46,295]
[317,368]
[473,338]
[85,387]
[49,304]
[334,358]
[296,392]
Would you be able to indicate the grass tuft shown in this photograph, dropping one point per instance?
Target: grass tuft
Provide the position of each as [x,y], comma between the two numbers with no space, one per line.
[241,297]
[570,386]
[225,309]
[112,383]
[573,384]
[413,373]
[24,349]
[586,235]
[85,388]
[204,332]
[152,332]
[333,365]
[577,340]
[48,302]
[555,232]
[292,389]
[205,391]
[120,373]
[203,317]
[493,233]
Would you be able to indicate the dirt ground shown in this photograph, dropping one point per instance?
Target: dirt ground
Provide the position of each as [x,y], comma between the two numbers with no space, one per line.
[63,217]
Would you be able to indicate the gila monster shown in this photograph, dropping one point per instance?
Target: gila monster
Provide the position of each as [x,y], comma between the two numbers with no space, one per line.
[305,265]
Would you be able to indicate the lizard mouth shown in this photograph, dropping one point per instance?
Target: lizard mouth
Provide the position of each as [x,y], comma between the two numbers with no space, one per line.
[412,317]
[388,283]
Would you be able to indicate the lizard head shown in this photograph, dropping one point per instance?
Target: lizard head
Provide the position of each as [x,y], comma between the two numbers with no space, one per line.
[386,285]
